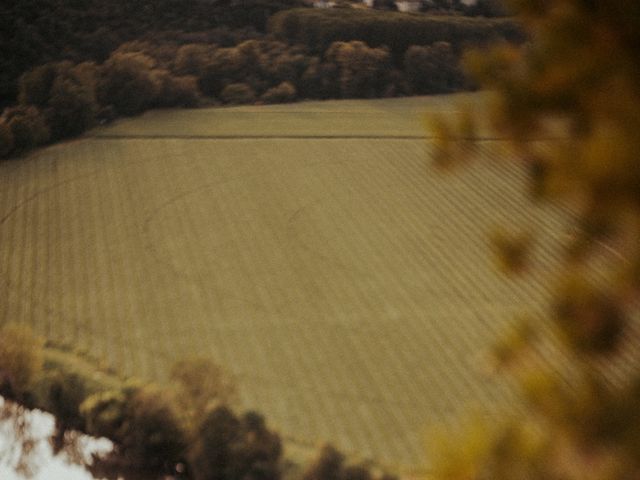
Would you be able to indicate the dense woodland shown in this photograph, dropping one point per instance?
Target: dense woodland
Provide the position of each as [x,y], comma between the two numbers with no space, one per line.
[70,65]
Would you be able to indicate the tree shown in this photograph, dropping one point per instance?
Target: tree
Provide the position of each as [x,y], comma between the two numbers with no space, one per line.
[66,95]
[579,76]
[433,68]
[238,93]
[144,424]
[28,126]
[330,465]
[285,92]
[21,359]
[6,139]
[230,448]
[201,384]
[362,70]
[127,83]
[72,106]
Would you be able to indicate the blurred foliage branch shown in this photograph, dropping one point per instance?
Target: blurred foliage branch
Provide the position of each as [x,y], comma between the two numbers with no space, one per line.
[569,102]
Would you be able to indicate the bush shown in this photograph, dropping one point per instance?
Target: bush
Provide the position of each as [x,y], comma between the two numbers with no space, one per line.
[72,106]
[191,59]
[200,385]
[144,424]
[319,28]
[227,66]
[6,139]
[21,360]
[330,465]
[238,93]
[226,447]
[28,126]
[283,93]
[127,83]
[362,71]
[34,86]
[320,80]
[175,91]
[433,69]
[66,95]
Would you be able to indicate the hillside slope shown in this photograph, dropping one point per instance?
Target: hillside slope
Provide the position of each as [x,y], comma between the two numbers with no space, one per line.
[312,249]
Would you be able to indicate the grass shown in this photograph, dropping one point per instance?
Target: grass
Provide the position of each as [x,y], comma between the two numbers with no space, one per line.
[311,249]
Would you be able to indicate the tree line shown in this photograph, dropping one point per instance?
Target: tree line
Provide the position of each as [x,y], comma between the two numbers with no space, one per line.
[33,32]
[59,100]
[188,427]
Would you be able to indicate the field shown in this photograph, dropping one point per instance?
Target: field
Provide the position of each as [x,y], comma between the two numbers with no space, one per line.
[311,249]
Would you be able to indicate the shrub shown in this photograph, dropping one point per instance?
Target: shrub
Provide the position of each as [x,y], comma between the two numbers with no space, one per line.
[227,66]
[362,71]
[21,360]
[34,86]
[238,93]
[66,95]
[226,447]
[330,465]
[6,139]
[127,83]
[320,80]
[162,52]
[433,69]
[319,28]
[285,92]
[144,424]
[201,384]
[175,91]
[287,66]
[72,106]
[61,394]
[28,126]
[191,59]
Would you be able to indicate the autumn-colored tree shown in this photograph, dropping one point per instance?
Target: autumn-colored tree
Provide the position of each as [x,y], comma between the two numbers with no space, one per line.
[21,359]
[578,78]
[362,70]
[28,126]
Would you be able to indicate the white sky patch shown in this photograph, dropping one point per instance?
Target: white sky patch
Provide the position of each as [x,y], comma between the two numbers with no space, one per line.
[45,465]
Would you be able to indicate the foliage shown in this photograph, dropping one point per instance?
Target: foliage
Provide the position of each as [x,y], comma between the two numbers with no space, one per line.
[35,32]
[175,91]
[6,138]
[319,28]
[65,93]
[28,126]
[225,67]
[127,83]
[433,69]
[20,361]
[238,93]
[361,70]
[580,75]
[201,385]
[283,93]
[330,465]
[35,85]
[191,59]
[230,448]
[71,107]
[143,421]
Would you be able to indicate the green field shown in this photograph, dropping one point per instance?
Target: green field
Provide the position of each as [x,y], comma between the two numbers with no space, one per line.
[311,249]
